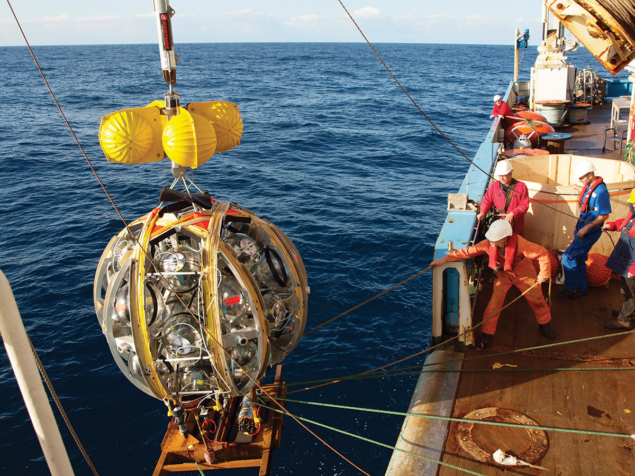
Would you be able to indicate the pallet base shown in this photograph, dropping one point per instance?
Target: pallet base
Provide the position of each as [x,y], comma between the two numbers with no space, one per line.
[176,457]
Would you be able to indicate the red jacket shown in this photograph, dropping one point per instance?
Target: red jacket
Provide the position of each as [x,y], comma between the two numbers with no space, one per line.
[617,225]
[502,110]
[518,205]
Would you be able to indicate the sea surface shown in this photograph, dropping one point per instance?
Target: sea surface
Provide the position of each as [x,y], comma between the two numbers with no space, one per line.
[333,153]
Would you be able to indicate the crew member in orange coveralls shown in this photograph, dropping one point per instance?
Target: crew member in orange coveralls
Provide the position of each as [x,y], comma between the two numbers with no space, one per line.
[510,256]
[509,198]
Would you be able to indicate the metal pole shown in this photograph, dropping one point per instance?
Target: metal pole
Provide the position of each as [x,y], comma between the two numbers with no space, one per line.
[516,55]
[26,373]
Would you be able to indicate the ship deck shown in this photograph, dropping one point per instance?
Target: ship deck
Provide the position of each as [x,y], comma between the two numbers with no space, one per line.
[588,139]
[543,384]
[590,400]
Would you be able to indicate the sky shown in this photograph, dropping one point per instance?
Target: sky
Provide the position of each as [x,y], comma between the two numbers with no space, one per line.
[79,22]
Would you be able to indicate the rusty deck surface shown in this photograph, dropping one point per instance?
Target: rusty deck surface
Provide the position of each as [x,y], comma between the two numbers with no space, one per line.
[591,400]
[588,139]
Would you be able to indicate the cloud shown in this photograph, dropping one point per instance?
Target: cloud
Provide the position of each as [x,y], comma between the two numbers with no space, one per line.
[477,19]
[367,12]
[310,21]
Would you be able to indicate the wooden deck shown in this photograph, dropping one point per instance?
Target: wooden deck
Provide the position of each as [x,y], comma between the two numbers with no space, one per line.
[589,400]
[588,139]
[565,399]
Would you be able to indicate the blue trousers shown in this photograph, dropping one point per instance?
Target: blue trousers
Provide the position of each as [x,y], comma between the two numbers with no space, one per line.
[574,262]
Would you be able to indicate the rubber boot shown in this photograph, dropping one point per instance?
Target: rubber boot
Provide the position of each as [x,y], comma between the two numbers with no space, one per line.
[485,340]
[547,331]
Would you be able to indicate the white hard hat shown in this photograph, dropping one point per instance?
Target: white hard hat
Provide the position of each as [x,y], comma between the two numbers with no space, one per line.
[583,168]
[498,230]
[497,97]
[503,168]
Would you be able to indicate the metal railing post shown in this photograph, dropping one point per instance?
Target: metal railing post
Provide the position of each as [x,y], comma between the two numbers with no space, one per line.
[26,373]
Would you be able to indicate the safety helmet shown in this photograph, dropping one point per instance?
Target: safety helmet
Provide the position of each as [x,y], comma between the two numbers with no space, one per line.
[498,230]
[632,199]
[503,168]
[497,97]
[583,168]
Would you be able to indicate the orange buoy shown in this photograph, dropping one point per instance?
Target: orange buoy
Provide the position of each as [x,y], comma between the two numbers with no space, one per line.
[554,262]
[529,128]
[597,274]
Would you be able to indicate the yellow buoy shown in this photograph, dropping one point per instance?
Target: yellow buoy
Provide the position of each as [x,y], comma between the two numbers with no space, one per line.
[189,139]
[132,136]
[226,120]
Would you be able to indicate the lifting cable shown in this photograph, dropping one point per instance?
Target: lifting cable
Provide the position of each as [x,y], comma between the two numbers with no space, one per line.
[256,383]
[375,442]
[429,349]
[392,373]
[447,138]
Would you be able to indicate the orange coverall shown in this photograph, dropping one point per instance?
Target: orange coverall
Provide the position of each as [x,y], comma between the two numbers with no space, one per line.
[523,276]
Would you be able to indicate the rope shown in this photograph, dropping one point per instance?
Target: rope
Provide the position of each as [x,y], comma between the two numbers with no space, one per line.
[400,373]
[369,374]
[435,346]
[257,384]
[463,420]
[367,301]
[439,130]
[378,443]
[40,367]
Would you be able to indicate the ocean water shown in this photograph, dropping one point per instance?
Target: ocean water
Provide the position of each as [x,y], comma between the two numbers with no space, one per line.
[333,153]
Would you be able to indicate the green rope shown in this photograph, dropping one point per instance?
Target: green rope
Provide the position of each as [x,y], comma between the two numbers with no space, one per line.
[398,373]
[378,443]
[515,351]
[199,469]
[462,420]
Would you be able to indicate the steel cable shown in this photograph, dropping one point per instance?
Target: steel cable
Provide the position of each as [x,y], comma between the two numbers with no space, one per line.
[623,12]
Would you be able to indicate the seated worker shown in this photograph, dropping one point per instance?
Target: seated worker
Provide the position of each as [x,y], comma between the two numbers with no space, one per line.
[508,196]
[510,256]
[595,207]
[501,109]
[622,262]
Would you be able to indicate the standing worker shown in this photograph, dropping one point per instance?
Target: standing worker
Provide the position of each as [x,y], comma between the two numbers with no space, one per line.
[501,109]
[510,256]
[622,262]
[508,196]
[595,207]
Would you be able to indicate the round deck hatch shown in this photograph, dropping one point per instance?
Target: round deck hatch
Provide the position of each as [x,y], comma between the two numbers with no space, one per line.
[481,441]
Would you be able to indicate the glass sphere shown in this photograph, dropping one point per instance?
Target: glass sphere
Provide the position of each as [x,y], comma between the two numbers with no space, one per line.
[134,366]
[271,270]
[119,251]
[232,299]
[245,247]
[179,261]
[246,356]
[153,306]
[197,378]
[181,336]
[275,310]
